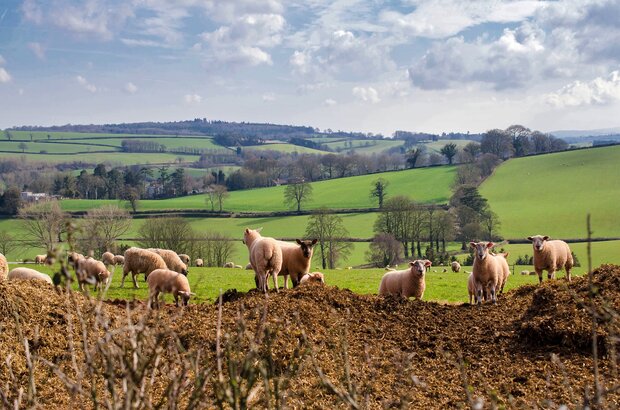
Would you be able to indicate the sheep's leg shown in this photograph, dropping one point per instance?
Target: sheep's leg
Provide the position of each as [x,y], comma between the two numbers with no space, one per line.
[275,280]
[123,279]
[493,295]
[286,281]
[539,272]
[479,296]
[176,299]
[568,268]
[135,281]
[551,274]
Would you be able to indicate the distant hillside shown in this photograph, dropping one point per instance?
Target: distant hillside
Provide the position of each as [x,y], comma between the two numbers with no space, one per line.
[565,134]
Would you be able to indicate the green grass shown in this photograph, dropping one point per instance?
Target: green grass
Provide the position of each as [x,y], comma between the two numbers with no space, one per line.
[52,148]
[25,135]
[364,146]
[424,185]
[552,194]
[116,158]
[283,147]
[436,146]
[169,142]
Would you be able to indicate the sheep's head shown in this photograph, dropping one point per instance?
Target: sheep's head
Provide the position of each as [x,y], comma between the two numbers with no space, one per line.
[538,241]
[419,266]
[249,235]
[306,247]
[481,249]
[185,270]
[184,297]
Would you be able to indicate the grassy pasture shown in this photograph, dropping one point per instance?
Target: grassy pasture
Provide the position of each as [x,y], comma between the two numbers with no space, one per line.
[52,148]
[282,147]
[359,146]
[552,194]
[169,142]
[436,146]
[115,158]
[25,135]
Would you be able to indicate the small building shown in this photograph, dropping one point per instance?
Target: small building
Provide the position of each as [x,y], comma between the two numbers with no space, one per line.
[30,197]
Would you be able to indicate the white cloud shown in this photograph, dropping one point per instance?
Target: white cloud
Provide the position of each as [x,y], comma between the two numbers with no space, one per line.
[37,49]
[130,88]
[192,98]
[599,91]
[330,102]
[5,77]
[366,94]
[84,83]
[269,97]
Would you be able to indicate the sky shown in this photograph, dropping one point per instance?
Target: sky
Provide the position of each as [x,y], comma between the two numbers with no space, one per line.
[371,66]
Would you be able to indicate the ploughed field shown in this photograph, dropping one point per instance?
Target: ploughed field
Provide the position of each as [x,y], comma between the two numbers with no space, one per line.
[323,347]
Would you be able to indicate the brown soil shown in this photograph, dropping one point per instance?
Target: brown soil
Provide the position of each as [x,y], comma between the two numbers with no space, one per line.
[532,349]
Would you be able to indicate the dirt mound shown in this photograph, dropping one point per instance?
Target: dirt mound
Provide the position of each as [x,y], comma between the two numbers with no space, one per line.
[325,347]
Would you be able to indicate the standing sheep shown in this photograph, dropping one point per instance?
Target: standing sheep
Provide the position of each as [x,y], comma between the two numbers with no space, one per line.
[551,256]
[168,281]
[456,267]
[296,259]
[265,257]
[119,260]
[40,259]
[313,277]
[141,261]
[409,282]
[505,272]
[185,258]
[173,262]
[471,288]
[199,263]
[4,268]
[91,271]
[28,274]
[487,270]
[107,258]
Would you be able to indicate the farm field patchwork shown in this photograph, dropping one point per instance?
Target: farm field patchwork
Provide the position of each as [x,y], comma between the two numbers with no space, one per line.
[169,142]
[52,148]
[283,147]
[114,158]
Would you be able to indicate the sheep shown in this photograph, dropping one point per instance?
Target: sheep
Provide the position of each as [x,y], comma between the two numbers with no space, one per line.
[390,269]
[185,258]
[172,260]
[238,267]
[107,258]
[505,271]
[265,257]
[296,259]
[525,272]
[73,257]
[28,274]
[551,256]
[444,270]
[141,261]
[40,259]
[488,270]
[313,277]
[229,265]
[199,263]
[168,281]
[91,271]
[408,282]
[119,260]
[249,266]
[471,288]
[456,267]
[4,268]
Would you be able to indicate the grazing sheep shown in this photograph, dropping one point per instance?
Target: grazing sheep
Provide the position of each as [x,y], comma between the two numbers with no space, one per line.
[74,257]
[229,265]
[185,258]
[119,260]
[168,281]
[91,271]
[172,260]
[141,261]
[487,270]
[551,256]
[409,282]
[199,263]
[296,259]
[444,270]
[40,259]
[456,267]
[107,258]
[238,267]
[525,272]
[28,274]
[249,266]
[505,271]
[313,277]
[265,257]
[4,268]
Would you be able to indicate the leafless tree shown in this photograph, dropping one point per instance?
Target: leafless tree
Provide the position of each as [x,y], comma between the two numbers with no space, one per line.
[43,223]
[102,227]
[7,243]
[297,192]
[329,229]
[166,233]
[384,250]
[221,193]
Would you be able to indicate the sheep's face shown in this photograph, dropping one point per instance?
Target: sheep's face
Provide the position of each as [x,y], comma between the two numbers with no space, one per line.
[481,249]
[184,297]
[419,266]
[316,277]
[538,242]
[306,247]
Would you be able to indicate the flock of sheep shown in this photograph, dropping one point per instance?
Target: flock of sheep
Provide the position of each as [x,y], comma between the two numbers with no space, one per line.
[166,271]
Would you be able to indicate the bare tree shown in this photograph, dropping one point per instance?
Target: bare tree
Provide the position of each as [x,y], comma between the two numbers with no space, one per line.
[221,193]
[297,192]
[7,243]
[132,195]
[214,248]
[384,250]
[166,233]
[43,223]
[379,190]
[211,197]
[330,232]
[102,227]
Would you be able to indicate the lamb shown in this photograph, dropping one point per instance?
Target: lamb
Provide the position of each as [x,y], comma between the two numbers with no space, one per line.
[296,259]
[199,263]
[408,282]
[172,260]
[4,268]
[265,257]
[229,265]
[503,260]
[488,270]
[456,267]
[238,267]
[551,256]
[119,260]
[185,258]
[249,266]
[107,258]
[28,274]
[91,271]
[141,261]
[313,277]
[471,288]
[40,259]
[168,281]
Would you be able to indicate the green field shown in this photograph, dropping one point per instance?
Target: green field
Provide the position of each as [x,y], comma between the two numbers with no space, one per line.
[283,147]
[43,135]
[52,148]
[364,146]
[436,146]
[113,158]
[169,142]
[552,194]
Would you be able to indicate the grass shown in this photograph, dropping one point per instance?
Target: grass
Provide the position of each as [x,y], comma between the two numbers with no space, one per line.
[120,158]
[436,146]
[552,194]
[364,146]
[52,148]
[169,142]
[283,147]
[424,185]
[42,135]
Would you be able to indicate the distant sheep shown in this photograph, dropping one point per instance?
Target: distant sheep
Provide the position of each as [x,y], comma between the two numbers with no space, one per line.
[199,263]
[40,259]
[185,258]
[4,268]
[238,267]
[409,282]
[168,281]
[229,265]
[91,271]
[107,258]
[312,277]
[265,257]
[173,262]
[488,270]
[456,267]
[249,266]
[525,272]
[119,260]
[141,261]
[296,259]
[551,256]
[28,274]
[74,257]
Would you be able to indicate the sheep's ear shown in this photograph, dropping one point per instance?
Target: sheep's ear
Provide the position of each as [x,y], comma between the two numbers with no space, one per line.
[314,241]
[259,229]
[247,230]
[506,255]
[545,238]
[298,241]
[427,263]
[472,244]
[411,263]
[490,245]
[529,238]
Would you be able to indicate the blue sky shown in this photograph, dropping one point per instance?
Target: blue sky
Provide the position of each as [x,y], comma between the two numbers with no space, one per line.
[372,66]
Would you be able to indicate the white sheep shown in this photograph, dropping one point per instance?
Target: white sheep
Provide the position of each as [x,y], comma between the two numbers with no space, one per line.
[4,268]
[487,270]
[168,281]
[312,277]
[472,289]
[73,257]
[185,258]
[173,262]
[141,261]
[505,271]
[249,266]
[408,282]
[551,256]
[28,274]
[265,257]
[456,267]
[238,267]
[91,271]
[199,263]
[107,258]
[229,265]
[296,259]
[40,259]
[525,272]
[119,260]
